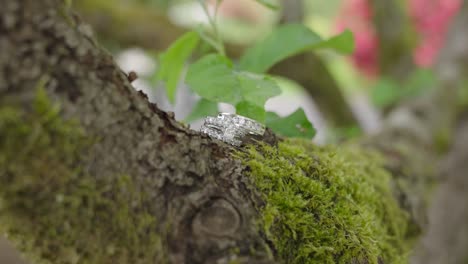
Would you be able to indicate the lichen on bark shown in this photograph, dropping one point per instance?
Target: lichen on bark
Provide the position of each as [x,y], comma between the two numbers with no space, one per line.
[327,204]
[56,214]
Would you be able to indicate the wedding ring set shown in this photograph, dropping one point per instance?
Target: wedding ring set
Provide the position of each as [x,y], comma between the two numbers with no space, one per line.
[231,128]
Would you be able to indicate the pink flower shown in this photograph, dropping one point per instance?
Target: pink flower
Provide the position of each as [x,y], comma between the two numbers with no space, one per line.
[356,15]
[431,19]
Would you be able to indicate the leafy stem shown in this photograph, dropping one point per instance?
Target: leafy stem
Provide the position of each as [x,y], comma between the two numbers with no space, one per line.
[246,86]
[213,23]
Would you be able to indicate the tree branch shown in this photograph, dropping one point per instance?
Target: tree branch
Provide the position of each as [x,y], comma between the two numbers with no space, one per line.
[391,22]
[111,179]
[91,172]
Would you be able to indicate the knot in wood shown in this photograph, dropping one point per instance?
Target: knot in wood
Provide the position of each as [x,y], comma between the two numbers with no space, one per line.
[219,218]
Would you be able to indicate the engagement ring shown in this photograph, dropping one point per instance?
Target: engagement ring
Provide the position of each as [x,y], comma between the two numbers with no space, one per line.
[231,128]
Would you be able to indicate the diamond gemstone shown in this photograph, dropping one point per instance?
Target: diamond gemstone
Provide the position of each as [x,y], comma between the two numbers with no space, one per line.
[231,128]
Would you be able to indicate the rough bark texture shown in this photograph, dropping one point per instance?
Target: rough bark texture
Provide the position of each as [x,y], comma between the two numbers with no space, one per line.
[183,175]
[109,178]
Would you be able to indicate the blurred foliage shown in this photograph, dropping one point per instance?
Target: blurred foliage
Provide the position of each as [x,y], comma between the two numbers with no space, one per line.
[202,109]
[173,60]
[319,8]
[269,3]
[216,78]
[162,4]
[387,92]
[337,134]
[294,125]
[324,17]
[288,40]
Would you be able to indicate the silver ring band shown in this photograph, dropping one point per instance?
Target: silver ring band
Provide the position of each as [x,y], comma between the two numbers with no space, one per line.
[231,128]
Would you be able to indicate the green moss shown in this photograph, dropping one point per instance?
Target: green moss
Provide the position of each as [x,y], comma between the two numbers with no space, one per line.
[327,205]
[52,209]
[443,139]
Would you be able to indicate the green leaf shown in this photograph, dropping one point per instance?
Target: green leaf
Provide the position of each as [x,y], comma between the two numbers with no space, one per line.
[294,125]
[250,110]
[419,82]
[342,43]
[462,99]
[172,62]
[256,88]
[211,41]
[389,92]
[212,78]
[289,40]
[385,93]
[203,109]
[268,3]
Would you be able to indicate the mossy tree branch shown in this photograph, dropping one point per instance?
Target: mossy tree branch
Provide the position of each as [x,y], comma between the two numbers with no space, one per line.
[91,172]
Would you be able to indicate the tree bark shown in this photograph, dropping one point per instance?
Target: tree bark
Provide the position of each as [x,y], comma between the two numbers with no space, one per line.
[187,187]
[107,177]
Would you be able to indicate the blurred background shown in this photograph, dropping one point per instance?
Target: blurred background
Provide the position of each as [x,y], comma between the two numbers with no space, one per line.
[397,43]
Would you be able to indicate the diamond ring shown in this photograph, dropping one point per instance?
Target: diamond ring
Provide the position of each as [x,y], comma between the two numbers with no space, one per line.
[231,128]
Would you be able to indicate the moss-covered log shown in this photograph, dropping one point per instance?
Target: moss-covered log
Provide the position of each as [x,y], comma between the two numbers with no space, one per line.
[328,205]
[91,172]
[53,209]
